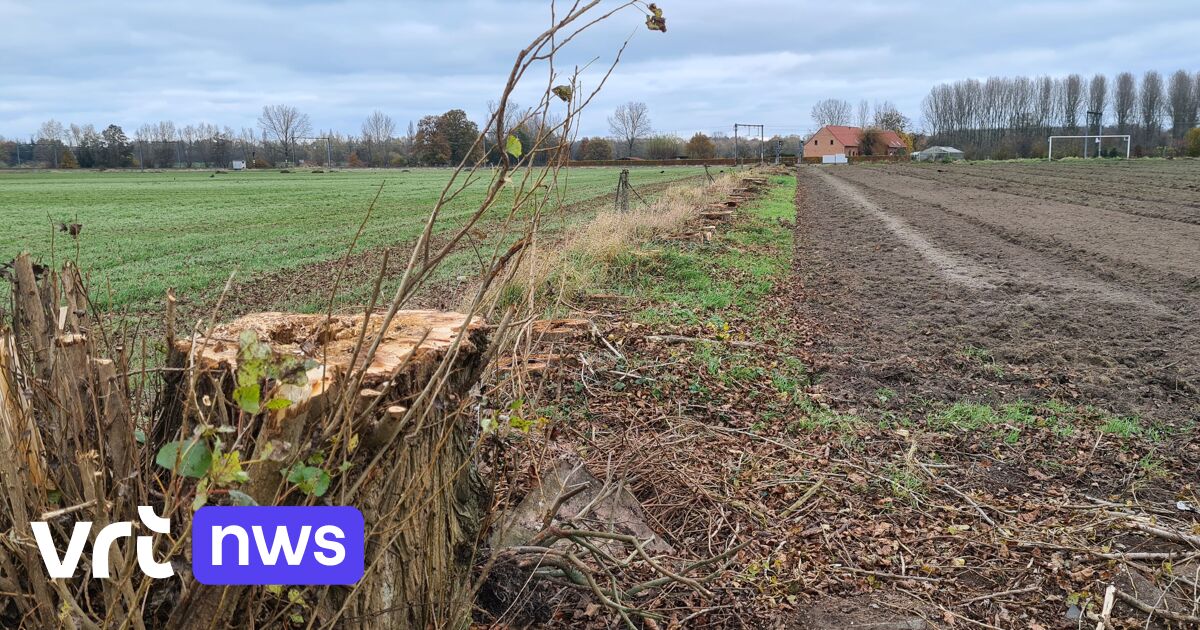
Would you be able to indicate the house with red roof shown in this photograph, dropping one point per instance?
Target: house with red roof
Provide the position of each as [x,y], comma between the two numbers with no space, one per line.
[834,139]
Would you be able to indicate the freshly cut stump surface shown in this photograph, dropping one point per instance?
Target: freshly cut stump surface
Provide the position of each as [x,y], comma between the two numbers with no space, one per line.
[418,492]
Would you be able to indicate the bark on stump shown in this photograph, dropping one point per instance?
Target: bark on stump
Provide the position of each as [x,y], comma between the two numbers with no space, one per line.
[421,501]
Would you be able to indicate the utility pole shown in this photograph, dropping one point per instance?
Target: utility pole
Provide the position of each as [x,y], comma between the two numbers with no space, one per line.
[328,150]
[736,155]
[1093,120]
[762,154]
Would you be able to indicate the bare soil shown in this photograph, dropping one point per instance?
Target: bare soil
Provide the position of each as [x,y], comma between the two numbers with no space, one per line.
[916,278]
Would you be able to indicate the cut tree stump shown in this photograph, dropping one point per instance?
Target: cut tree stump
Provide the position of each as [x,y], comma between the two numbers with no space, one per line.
[415,485]
[552,330]
[717,215]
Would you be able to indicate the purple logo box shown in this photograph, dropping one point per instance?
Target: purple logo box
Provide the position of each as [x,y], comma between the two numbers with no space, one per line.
[292,545]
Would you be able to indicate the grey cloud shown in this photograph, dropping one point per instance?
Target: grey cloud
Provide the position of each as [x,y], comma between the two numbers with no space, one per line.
[135,61]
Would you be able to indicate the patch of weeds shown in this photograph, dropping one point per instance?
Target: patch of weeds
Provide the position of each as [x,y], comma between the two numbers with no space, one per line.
[787,386]
[733,273]
[983,357]
[1153,467]
[510,295]
[1122,426]
[892,420]
[885,395]
[706,355]
[904,485]
[788,378]
[1059,407]
[742,372]
[815,418]
[1019,413]
[1158,431]
[966,416]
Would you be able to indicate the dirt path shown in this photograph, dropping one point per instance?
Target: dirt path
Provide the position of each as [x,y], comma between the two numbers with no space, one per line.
[945,293]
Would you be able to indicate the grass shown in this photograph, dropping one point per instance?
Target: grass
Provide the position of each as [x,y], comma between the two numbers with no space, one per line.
[1009,421]
[696,284]
[146,231]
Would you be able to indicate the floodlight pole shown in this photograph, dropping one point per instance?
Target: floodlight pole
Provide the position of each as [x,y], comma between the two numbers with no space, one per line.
[328,150]
[762,152]
[1093,119]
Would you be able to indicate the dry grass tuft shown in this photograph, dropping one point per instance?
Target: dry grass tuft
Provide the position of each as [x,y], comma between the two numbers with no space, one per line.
[582,260]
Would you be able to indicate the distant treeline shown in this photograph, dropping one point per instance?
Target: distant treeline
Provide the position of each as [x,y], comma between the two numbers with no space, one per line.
[284,136]
[1008,117]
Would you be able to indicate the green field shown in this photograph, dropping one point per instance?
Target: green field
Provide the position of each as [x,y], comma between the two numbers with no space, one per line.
[145,232]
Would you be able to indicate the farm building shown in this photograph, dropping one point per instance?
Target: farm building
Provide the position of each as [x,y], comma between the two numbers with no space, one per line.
[937,154]
[835,139]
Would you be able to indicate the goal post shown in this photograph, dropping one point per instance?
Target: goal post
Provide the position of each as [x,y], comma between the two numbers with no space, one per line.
[1087,140]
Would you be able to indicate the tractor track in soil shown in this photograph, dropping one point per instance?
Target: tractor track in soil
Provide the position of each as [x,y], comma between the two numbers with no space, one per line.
[901,276]
[1045,189]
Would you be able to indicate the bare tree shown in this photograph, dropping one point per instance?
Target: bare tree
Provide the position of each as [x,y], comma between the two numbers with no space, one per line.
[50,138]
[1196,101]
[1124,100]
[377,132]
[188,135]
[1072,99]
[887,116]
[284,124]
[1151,105]
[1098,96]
[629,123]
[831,111]
[864,114]
[1044,110]
[1181,103]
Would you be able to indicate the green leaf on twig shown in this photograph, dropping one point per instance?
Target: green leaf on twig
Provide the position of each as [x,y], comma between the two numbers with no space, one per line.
[189,458]
[310,479]
[513,146]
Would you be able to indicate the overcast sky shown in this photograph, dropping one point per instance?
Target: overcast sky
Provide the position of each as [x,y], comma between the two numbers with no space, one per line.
[752,61]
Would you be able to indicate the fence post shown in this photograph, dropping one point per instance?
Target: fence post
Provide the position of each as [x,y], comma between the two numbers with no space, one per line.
[622,199]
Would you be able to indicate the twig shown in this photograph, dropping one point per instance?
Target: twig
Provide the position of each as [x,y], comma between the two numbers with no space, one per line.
[1162,532]
[808,494]
[53,514]
[987,519]
[596,332]
[1015,591]
[1157,612]
[683,339]
[1106,609]
[884,574]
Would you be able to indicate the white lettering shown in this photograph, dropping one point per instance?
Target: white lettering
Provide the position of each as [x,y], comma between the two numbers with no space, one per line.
[243,542]
[102,548]
[281,542]
[70,560]
[338,549]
